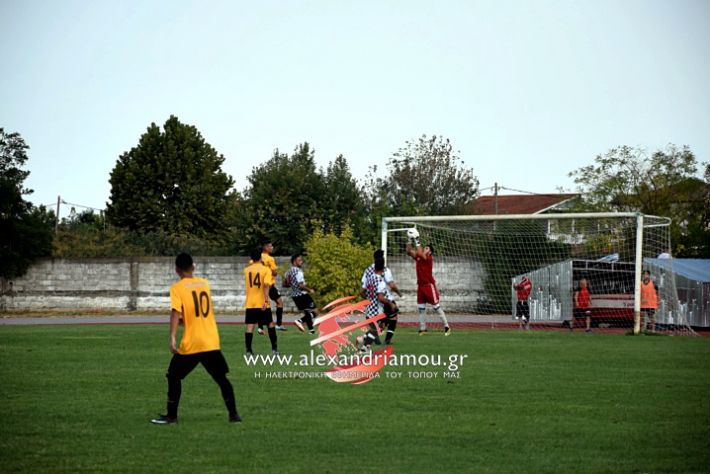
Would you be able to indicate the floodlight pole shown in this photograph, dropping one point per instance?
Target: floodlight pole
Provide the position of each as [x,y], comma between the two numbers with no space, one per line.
[638,266]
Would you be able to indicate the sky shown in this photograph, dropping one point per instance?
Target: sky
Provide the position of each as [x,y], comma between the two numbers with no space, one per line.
[526,91]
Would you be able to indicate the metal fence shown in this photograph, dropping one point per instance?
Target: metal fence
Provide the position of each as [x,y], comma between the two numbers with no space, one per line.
[693,295]
[551,296]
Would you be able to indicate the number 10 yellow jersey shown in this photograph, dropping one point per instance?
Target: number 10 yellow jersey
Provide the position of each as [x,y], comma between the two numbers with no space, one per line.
[192,297]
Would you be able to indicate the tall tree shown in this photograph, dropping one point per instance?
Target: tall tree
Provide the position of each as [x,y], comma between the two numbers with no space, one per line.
[26,230]
[282,201]
[664,183]
[342,202]
[426,176]
[170,182]
[13,156]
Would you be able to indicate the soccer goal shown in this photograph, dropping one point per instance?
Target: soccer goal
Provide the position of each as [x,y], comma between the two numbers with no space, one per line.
[564,271]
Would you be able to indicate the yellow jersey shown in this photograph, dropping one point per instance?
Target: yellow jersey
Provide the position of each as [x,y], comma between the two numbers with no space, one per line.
[269,261]
[256,275]
[192,297]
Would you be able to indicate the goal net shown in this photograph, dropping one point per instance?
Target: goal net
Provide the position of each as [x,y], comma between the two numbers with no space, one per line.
[553,271]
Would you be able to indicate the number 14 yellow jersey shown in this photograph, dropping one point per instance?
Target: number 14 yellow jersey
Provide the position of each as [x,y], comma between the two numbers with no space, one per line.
[256,276]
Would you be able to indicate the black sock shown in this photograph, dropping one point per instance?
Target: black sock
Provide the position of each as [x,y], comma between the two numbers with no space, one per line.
[279,316]
[390,329]
[272,338]
[227,395]
[308,318]
[248,337]
[174,391]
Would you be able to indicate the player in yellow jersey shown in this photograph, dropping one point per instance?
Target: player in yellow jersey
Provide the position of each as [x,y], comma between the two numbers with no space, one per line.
[267,248]
[258,280]
[191,304]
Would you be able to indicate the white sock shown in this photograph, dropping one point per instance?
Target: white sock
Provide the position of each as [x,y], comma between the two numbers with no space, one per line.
[442,315]
[422,321]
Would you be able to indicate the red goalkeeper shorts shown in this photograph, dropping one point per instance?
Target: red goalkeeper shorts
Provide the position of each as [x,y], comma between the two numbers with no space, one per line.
[427,294]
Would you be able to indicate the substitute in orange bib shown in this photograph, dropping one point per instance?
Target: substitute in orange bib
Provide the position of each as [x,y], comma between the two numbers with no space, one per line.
[649,301]
[191,305]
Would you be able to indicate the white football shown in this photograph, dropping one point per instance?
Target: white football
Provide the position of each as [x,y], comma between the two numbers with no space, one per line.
[412,233]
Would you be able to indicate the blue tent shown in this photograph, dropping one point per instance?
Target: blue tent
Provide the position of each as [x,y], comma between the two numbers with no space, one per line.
[697,269]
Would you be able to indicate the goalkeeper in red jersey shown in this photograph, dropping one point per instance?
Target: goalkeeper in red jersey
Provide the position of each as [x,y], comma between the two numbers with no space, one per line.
[427,293]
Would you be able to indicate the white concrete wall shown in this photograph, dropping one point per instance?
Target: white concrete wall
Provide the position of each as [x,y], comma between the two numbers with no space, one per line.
[143,283]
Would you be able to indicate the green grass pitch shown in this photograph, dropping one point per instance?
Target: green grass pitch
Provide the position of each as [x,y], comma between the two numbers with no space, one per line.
[78,399]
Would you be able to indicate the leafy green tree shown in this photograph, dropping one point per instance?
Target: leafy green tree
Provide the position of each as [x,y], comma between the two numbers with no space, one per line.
[664,183]
[342,202]
[172,183]
[282,201]
[334,264]
[377,206]
[87,235]
[13,156]
[26,230]
[426,177]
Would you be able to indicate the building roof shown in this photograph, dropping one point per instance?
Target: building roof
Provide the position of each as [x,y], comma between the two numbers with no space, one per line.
[517,203]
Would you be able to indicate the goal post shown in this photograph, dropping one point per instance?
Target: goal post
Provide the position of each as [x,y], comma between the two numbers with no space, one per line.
[480,260]
[638,261]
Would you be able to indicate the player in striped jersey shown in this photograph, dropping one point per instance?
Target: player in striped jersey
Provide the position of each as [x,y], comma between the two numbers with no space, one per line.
[389,281]
[381,300]
[301,294]
[386,273]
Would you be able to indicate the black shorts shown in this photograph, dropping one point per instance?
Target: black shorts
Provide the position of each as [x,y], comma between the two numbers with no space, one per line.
[522,310]
[390,310]
[582,312]
[304,302]
[274,293]
[650,312]
[258,316]
[213,362]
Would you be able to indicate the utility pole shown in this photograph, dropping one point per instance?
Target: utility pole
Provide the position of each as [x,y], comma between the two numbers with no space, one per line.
[495,196]
[56,223]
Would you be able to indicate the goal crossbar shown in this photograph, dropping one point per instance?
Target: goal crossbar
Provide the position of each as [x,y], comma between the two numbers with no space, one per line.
[503,217]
